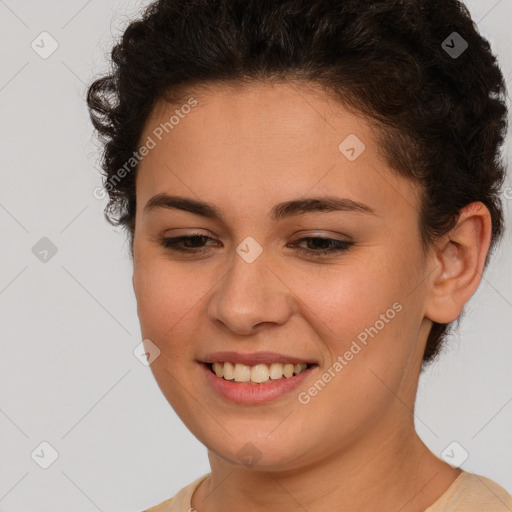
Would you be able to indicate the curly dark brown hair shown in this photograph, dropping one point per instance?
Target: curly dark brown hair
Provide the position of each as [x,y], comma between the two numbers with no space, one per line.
[441,114]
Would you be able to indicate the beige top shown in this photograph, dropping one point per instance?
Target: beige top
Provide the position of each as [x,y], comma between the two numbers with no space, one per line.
[468,493]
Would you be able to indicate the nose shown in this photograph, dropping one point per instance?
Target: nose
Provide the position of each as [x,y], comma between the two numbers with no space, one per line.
[251,295]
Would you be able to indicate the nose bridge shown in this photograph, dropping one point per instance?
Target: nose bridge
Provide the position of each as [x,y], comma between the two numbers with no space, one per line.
[250,294]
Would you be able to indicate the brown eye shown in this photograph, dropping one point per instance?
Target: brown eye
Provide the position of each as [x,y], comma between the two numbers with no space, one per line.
[325,246]
[187,244]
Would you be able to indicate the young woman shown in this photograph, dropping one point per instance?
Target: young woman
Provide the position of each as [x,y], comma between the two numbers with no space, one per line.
[311,193]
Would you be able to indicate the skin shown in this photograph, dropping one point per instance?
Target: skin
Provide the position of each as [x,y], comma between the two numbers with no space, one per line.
[353,446]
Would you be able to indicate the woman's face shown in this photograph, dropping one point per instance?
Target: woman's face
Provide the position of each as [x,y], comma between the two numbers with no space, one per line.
[356,315]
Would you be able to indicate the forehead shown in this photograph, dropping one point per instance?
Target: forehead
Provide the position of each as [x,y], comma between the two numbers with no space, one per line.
[270,114]
[266,140]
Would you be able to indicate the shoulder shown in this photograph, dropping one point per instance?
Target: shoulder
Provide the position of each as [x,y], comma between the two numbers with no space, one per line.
[180,502]
[471,492]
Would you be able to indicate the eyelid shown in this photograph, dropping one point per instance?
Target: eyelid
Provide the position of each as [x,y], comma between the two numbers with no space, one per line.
[187,232]
[324,233]
[321,233]
[336,247]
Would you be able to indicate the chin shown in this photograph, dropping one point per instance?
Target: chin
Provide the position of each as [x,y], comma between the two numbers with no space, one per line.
[270,454]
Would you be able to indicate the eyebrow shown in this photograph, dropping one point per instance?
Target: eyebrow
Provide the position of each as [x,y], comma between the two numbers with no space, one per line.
[280,211]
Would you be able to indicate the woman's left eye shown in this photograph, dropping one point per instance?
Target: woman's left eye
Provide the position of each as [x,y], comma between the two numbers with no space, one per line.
[327,245]
[330,245]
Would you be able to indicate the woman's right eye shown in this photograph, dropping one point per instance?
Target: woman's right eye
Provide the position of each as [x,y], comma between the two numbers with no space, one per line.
[175,243]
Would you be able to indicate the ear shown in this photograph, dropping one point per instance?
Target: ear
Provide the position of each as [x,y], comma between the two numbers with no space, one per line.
[458,261]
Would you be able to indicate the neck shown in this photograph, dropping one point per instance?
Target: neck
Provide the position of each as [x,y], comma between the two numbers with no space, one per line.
[391,470]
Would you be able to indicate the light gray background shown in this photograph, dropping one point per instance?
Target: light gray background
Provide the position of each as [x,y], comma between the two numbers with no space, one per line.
[69,326]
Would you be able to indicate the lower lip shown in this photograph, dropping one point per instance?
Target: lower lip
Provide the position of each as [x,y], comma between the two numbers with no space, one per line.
[254,393]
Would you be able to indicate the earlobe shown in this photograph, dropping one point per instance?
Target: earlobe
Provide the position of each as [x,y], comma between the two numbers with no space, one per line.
[460,258]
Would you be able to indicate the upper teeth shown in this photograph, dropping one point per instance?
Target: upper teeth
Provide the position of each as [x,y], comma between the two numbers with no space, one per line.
[258,373]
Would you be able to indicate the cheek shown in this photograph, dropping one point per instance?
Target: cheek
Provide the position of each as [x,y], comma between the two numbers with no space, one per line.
[361,314]
[361,319]
[166,293]
[347,300]
[166,296]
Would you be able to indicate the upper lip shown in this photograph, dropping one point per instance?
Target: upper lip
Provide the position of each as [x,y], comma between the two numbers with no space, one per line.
[252,359]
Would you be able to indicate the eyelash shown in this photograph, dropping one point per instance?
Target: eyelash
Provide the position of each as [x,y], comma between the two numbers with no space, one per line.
[335,246]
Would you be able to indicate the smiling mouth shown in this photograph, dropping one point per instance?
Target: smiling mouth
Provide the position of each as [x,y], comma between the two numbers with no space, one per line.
[258,374]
